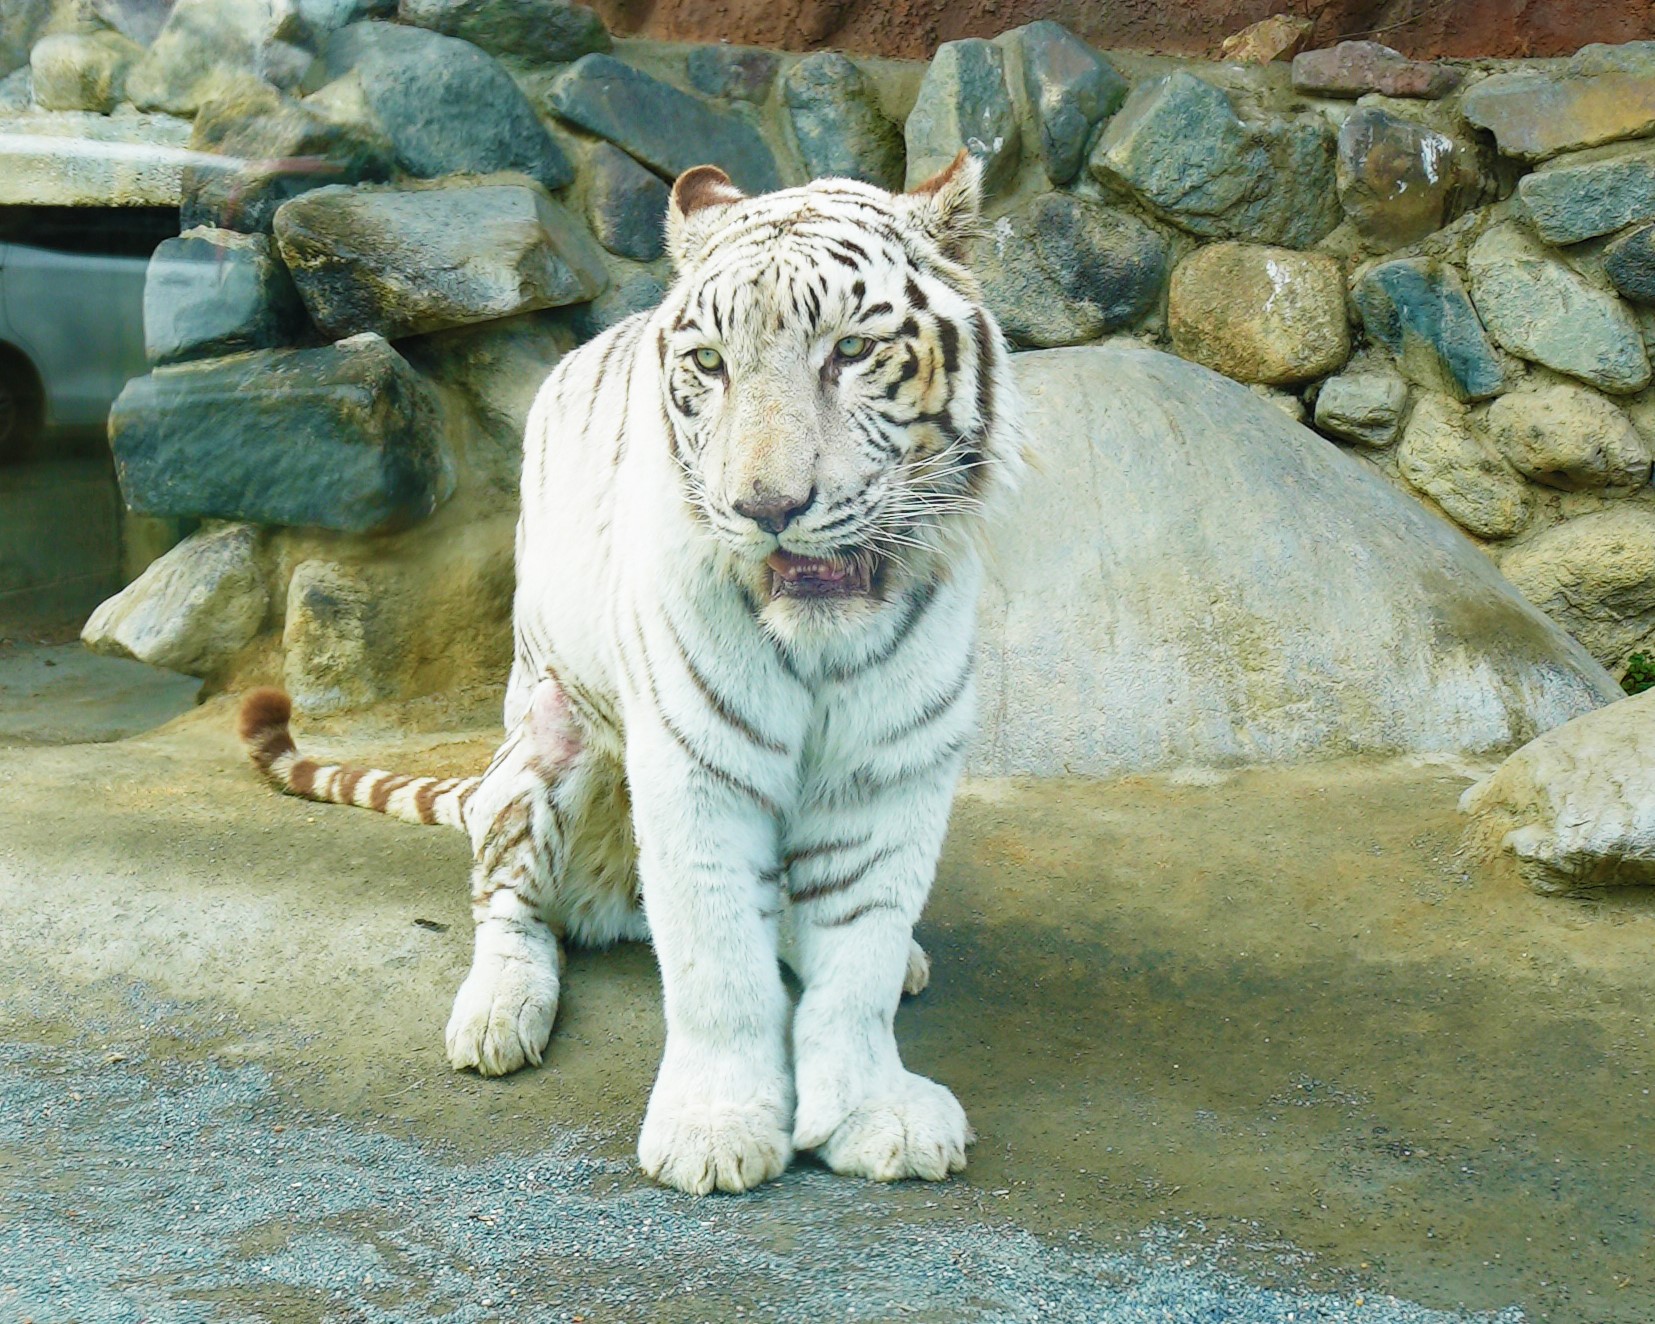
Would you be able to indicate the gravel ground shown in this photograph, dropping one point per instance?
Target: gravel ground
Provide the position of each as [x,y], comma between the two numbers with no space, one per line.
[155,1190]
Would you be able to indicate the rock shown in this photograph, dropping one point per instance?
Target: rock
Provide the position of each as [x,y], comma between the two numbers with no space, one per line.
[1061,270]
[1595,576]
[344,437]
[204,47]
[17,91]
[1534,116]
[1259,314]
[75,71]
[838,125]
[1279,37]
[1629,263]
[309,23]
[1442,456]
[446,106]
[139,20]
[1071,89]
[1419,311]
[125,160]
[736,73]
[626,205]
[1356,68]
[964,102]
[405,260]
[1540,310]
[545,31]
[1571,438]
[429,614]
[331,662]
[193,609]
[1179,146]
[274,148]
[498,367]
[1575,806]
[668,130]
[1398,181]
[624,297]
[1571,199]
[1254,595]
[1364,407]
[212,292]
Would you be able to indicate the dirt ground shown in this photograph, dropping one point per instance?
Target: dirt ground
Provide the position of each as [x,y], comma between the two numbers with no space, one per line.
[1240,1047]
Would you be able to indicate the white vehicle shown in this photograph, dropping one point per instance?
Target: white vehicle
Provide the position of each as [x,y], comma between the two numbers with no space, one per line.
[71,319]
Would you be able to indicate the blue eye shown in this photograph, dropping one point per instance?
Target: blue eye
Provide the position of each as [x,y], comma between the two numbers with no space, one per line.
[851,348]
[709,360]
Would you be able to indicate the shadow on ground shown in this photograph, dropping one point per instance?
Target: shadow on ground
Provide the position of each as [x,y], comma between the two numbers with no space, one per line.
[1246,1048]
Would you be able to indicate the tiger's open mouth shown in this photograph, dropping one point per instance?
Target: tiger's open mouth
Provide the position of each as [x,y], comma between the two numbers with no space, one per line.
[794,576]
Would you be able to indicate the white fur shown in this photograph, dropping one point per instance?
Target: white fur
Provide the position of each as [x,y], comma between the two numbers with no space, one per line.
[837,728]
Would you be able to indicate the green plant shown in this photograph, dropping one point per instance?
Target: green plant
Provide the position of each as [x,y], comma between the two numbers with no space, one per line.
[1640,673]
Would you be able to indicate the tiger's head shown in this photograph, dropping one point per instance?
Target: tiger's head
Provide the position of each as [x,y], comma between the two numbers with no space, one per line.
[837,397]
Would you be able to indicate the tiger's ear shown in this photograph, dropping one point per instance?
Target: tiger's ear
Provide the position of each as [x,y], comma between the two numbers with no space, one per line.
[701,198]
[948,206]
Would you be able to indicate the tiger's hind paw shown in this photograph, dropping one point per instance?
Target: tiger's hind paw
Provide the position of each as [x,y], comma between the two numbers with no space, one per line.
[502,1017]
[917,977]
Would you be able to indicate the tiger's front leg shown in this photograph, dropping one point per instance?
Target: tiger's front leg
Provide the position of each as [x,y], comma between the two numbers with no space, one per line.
[720,1115]
[858,881]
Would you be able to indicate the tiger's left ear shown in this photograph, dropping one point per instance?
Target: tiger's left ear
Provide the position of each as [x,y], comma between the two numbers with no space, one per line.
[948,206]
[701,198]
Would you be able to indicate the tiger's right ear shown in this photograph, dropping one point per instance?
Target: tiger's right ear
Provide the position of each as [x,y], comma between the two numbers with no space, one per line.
[701,199]
[949,205]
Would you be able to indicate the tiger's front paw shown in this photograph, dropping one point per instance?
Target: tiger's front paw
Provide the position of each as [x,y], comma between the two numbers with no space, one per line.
[914,1128]
[700,1143]
[503,1014]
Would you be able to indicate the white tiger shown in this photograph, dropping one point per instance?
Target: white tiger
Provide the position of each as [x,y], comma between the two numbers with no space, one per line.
[747,577]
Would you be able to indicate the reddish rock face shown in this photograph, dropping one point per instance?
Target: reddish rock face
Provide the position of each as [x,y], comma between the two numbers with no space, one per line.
[913,29]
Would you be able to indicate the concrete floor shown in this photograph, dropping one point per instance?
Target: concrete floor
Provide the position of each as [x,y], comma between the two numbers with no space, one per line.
[1248,1048]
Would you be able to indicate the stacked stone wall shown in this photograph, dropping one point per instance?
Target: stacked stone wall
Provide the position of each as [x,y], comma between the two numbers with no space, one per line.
[398,219]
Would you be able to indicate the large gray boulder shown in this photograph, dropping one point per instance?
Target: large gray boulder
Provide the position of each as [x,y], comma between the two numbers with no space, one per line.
[1576,807]
[1189,578]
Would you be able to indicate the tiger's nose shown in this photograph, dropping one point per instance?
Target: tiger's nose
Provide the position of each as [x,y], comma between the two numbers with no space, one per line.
[772,511]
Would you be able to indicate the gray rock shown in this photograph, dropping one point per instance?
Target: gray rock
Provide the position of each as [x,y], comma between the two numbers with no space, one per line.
[1071,89]
[274,149]
[1419,311]
[1572,199]
[344,437]
[1398,181]
[204,47]
[1255,595]
[1444,457]
[1355,68]
[736,73]
[1533,116]
[1540,310]
[193,609]
[76,71]
[1571,438]
[405,260]
[626,205]
[212,292]
[964,103]
[1061,270]
[1258,313]
[139,20]
[17,91]
[1364,407]
[446,106]
[624,297]
[666,129]
[838,125]
[309,23]
[1575,806]
[546,31]
[1595,576]
[1629,263]
[1180,147]
[22,23]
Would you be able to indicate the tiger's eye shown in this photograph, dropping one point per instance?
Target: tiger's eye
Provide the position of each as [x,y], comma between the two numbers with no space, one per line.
[853,347]
[709,360]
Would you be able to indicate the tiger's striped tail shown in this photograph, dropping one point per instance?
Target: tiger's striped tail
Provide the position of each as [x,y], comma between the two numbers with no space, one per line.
[263,726]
